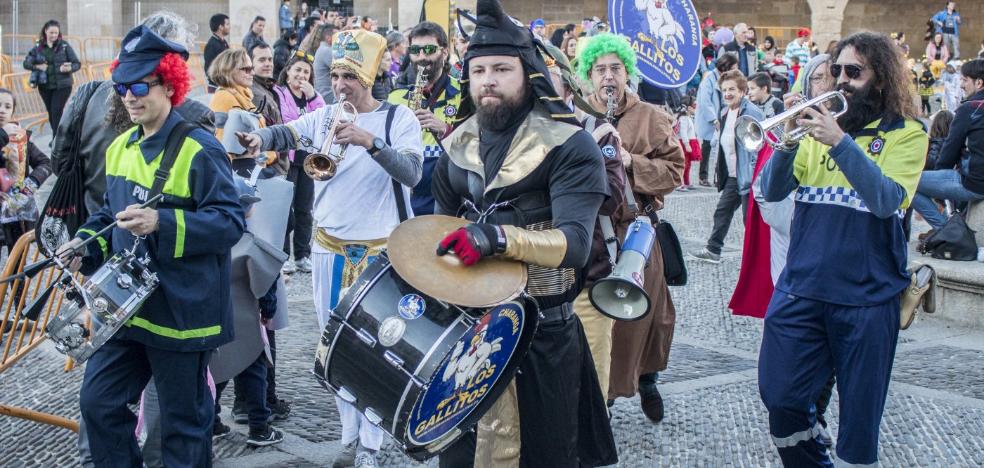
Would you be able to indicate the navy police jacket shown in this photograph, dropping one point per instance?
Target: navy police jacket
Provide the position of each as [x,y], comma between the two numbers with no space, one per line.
[200,219]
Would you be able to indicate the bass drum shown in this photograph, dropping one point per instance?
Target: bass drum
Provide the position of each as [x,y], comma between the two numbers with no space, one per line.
[421,369]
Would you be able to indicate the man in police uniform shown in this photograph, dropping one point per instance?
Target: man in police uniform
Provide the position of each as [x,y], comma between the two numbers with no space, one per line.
[531,181]
[438,111]
[187,238]
[836,304]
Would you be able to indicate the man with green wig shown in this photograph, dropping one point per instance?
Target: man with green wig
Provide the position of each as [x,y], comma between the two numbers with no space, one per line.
[653,164]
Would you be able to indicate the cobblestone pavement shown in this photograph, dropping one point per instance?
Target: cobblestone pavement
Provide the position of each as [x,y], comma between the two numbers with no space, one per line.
[934,415]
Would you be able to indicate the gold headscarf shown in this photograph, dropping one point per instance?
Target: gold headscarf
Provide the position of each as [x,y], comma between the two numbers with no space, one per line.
[360,52]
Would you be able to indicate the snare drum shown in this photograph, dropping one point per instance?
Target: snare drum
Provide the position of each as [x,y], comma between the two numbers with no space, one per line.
[421,369]
[110,297]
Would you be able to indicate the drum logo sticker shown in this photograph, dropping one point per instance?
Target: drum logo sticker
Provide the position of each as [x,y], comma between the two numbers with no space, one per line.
[411,306]
[467,374]
[391,331]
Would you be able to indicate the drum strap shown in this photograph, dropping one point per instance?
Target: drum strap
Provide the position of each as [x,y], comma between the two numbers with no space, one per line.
[171,148]
[401,204]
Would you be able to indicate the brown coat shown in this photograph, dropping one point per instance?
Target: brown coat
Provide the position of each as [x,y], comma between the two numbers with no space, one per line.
[643,346]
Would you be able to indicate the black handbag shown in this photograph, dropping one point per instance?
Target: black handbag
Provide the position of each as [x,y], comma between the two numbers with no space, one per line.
[65,210]
[674,265]
[954,241]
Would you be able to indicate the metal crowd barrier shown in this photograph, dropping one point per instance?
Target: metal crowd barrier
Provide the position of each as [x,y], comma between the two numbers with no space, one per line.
[19,336]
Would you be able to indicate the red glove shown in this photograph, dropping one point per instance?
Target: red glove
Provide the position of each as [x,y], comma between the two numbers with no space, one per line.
[473,242]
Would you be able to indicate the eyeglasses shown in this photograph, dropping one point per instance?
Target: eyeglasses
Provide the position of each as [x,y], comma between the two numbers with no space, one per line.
[602,70]
[852,71]
[139,88]
[305,56]
[248,70]
[428,49]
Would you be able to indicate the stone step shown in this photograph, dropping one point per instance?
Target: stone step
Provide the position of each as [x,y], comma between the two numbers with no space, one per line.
[960,289]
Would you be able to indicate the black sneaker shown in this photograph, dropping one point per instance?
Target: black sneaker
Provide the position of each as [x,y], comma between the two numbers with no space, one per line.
[270,437]
[220,430]
[279,410]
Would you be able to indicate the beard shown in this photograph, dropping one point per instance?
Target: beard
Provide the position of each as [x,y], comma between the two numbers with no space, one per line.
[863,107]
[497,117]
[433,67]
[118,118]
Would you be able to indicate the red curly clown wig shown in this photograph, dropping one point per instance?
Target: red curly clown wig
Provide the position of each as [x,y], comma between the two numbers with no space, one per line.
[172,71]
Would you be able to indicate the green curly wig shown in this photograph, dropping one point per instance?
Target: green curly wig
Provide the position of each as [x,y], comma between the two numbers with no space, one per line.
[604,44]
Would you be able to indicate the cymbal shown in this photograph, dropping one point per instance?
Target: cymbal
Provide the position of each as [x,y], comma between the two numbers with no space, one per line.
[411,249]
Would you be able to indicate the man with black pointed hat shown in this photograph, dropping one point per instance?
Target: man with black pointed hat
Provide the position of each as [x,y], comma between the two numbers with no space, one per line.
[531,181]
[187,237]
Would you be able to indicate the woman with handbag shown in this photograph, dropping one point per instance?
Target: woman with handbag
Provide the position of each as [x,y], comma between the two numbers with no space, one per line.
[295,90]
[52,62]
[232,72]
[24,169]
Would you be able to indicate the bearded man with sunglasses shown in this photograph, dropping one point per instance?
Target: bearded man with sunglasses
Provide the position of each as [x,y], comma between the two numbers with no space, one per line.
[438,111]
[836,305]
[355,210]
[187,236]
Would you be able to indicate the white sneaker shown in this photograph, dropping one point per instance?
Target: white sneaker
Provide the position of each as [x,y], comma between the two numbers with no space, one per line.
[288,268]
[303,265]
[365,459]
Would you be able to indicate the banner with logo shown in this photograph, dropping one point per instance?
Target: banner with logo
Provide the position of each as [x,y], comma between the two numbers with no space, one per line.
[665,35]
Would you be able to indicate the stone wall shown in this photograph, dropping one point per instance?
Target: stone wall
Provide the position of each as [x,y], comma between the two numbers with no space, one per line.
[911,17]
[32,15]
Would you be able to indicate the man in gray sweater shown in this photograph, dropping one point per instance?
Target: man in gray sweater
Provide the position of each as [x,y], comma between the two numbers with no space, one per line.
[322,63]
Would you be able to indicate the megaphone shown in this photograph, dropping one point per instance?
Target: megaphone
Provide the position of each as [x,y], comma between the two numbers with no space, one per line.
[620,295]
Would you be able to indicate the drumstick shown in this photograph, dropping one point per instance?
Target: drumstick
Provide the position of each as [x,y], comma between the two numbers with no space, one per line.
[30,271]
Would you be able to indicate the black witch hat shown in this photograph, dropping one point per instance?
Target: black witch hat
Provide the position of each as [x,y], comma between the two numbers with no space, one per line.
[497,33]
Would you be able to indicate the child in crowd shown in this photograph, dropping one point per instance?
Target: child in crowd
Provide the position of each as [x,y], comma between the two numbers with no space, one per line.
[926,82]
[687,135]
[23,170]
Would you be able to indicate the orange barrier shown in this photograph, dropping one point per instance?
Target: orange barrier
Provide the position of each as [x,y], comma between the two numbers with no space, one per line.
[196,65]
[29,103]
[100,49]
[20,336]
[99,71]
[6,66]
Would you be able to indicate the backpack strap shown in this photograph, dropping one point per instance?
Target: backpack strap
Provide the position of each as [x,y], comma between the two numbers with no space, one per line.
[401,204]
[171,149]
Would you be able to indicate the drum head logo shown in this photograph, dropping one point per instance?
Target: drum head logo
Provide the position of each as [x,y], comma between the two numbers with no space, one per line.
[411,306]
[466,375]
[391,331]
[665,35]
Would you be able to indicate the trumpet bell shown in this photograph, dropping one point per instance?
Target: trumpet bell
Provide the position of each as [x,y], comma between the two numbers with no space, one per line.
[320,167]
[750,133]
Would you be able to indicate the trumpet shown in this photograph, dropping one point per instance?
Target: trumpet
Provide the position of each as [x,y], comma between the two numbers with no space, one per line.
[754,134]
[322,165]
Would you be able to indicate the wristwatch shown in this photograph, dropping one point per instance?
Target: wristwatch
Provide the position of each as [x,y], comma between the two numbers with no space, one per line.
[377,145]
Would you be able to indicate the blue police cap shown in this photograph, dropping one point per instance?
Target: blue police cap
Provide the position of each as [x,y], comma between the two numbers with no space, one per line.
[141,53]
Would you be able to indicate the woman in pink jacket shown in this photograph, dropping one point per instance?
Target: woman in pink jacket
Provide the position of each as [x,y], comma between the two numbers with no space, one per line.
[295,91]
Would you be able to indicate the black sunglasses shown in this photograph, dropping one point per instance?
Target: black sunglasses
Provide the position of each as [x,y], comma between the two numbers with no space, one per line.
[139,88]
[305,56]
[853,71]
[428,49]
